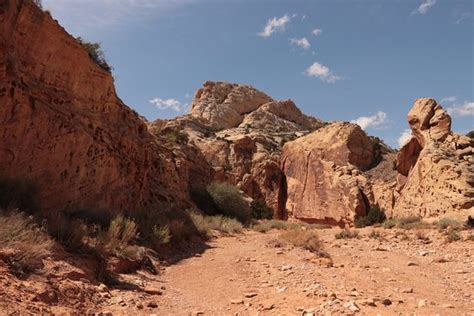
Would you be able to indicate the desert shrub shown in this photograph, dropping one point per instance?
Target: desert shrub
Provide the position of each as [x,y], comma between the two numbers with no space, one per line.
[161,234]
[412,222]
[122,231]
[421,236]
[260,209]
[375,215]
[67,231]
[453,236]
[18,193]
[177,137]
[305,239]
[449,223]
[470,237]
[101,217]
[347,234]
[158,226]
[401,235]
[374,235]
[204,201]
[205,224]
[267,225]
[470,134]
[389,223]
[29,242]
[95,53]
[230,201]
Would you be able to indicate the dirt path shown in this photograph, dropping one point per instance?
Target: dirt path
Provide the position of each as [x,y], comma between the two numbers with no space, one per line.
[245,275]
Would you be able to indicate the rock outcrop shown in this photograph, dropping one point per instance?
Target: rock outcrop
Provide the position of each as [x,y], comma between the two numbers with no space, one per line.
[323,174]
[63,126]
[240,131]
[436,167]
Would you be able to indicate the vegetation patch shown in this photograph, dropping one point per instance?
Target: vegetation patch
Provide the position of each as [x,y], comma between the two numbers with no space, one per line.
[260,209]
[450,223]
[452,236]
[374,216]
[206,224]
[306,239]
[95,53]
[347,234]
[26,243]
[230,201]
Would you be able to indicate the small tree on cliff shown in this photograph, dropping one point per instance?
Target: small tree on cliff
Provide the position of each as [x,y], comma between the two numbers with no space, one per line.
[95,53]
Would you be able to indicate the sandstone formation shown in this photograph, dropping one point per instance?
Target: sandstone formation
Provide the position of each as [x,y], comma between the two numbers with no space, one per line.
[436,167]
[240,131]
[323,174]
[63,126]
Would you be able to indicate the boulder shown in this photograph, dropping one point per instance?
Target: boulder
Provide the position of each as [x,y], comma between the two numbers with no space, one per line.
[323,178]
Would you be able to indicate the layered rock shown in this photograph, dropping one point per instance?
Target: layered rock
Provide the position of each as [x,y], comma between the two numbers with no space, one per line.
[239,131]
[63,126]
[323,174]
[436,167]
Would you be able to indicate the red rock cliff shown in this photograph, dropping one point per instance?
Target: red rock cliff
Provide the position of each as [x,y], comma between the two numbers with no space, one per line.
[63,126]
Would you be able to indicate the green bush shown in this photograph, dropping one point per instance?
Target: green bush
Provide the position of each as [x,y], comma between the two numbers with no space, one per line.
[453,236]
[260,209]
[374,216]
[18,194]
[230,201]
[389,223]
[95,53]
[204,201]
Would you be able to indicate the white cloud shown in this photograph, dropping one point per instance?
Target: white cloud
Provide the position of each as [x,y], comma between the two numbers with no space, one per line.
[322,72]
[165,104]
[275,25]
[449,99]
[405,137]
[301,42]
[371,121]
[424,7]
[317,32]
[86,17]
[461,110]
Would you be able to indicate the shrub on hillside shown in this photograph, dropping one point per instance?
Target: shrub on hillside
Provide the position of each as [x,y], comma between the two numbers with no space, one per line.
[260,209]
[95,53]
[230,201]
[449,223]
[68,232]
[29,243]
[204,201]
[177,137]
[374,216]
[18,194]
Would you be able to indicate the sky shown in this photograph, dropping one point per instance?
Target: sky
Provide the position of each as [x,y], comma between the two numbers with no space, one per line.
[364,61]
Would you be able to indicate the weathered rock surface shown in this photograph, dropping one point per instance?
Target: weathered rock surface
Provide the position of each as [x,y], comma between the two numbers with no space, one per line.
[63,126]
[323,174]
[240,131]
[436,168]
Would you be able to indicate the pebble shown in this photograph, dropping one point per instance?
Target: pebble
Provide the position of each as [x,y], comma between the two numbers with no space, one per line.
[237,301]
[386,302]
[422,303]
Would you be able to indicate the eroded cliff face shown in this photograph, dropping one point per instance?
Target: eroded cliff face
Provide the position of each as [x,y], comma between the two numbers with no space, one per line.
[63,126]
[240,131]
[436,167]
[323,174]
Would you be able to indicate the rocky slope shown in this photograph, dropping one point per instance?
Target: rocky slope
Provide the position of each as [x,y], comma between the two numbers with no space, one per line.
[240,132]
[63,126]
[436,167]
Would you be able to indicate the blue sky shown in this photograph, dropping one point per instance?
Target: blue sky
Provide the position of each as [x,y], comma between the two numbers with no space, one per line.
[364,60]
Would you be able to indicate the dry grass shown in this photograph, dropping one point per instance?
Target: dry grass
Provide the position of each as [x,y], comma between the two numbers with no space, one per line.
[445,223]
[267,225]
[421,235]
[29,242]
[452,236]
[470,237]
[206,224]
[305,239]
[347,234]
[375,235]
